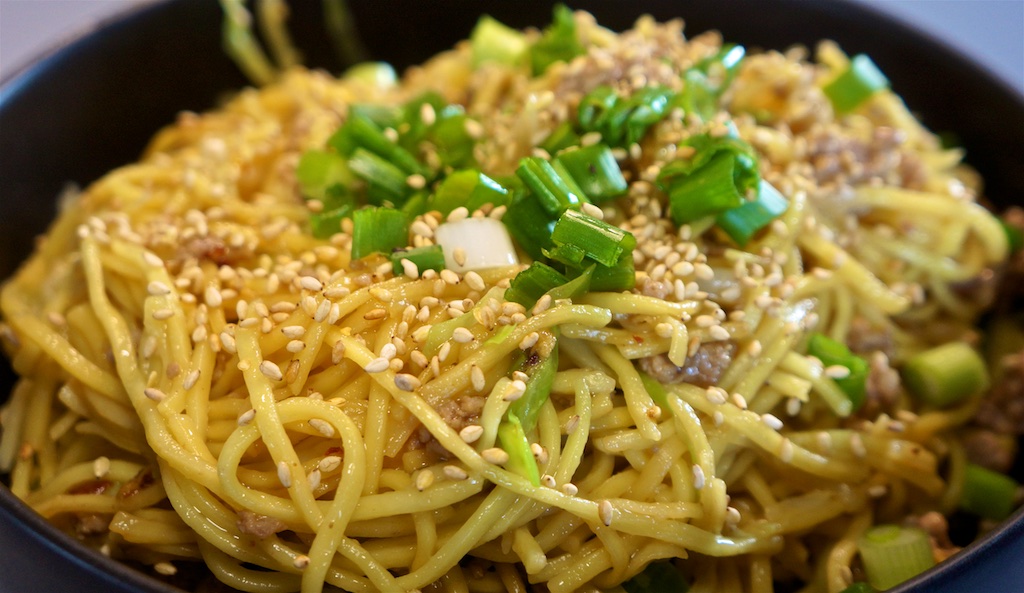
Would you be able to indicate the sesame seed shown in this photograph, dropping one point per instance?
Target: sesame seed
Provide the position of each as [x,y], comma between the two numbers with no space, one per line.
[718,417]
[314,479]
[409,268]
[460,213]
[295,346]
[857,446]
[416,181]
[454,472]
[284,475]
[300,561]
[771,421]
[165,568]
[786,451]
[459,255]
[793,406]
[529,341]
[271,371]
[422,229]
[877,491]
[213,297]
[837,371]
[739,401]
[246,417]
[605,512]
[424,479]
[329,463]
[449,277]
[152,259]
[548,481]
[476,375]
[100,467]
[337,292]
[322,426]
[592,210]
[495,455]
[154,394]
[322,311]
[698,477]
[663,330]
[514,391]
[157,288]
[375,314]
[190,379]
[543,304]
[474,280]
[377,365]
[754,348]
[337,352]
[407,382]
[471,433]
[570,489]
[718,333]
[462,335]
[572,423]
[293,331]
[732,515]
[388,351]
[715,395]
[311,283]
[162,314]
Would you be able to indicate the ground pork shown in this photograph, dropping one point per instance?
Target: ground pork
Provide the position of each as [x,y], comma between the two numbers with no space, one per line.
[703,369]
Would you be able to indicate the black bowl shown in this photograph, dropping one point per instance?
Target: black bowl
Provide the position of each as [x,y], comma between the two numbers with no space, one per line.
[92,105]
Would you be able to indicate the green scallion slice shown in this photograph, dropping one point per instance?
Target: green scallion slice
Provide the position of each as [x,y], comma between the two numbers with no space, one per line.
[551,190]
[428,257]
[541,372]
[378,230]
[743,222]
[946,375]
[531,284]
[595,170]
[831,352]
[600,241]
[512,439]
[892,554]
[987,493]
[856,84]
[493,41]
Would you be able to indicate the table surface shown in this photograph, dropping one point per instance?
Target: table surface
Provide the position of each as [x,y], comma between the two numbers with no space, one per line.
[991,32]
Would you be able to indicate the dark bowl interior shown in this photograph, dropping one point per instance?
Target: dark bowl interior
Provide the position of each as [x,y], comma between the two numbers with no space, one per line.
[91,106]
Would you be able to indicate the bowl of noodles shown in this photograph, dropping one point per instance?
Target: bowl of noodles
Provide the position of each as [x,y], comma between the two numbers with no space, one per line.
[541,300]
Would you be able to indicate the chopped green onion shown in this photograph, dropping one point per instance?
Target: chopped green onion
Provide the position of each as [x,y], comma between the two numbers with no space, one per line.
[416,204]
[621,276]
[646,107]
[442,332]
[558,43]
[893,554]
[859,587]
[451,140]
[320,170]
[428,257]
[946,375]
[987,493]
[658,577]
[831,352]
[513,440]
[383,116]
[709,191]
[500,335]
[574,288]
[562,137]
[595,170]
[856,84]
[378,230]
[743,222]
[541,372]
[531,284]
[529,224]
[1014,236]
[705,148]
[385,182]
[326,223]
[704,84]
[600,241]
[594,107]
[469,188]
[568,254]
[493,41]
[379,74]
[360,132]
[551,190]
[657,392]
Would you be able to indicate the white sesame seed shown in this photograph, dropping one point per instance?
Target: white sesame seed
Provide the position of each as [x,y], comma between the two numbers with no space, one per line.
[514,391]
[329,463]
[786,451]
[311,283]
[592,210]
[543,303]
[771,421]
[605,512]
[698,477]
[715,395]
[471,433]
[495,455]
[718,417]
[157,288]
[476,375]
[424,479]
[295,346]
[548,481]
[246,417]
[407,382]
[377,365]
[454,472]
[322,426]
[732,515]
[837,371]
[570,489]
[388,351]
[459,255]
[190,379]
[857,446]
[100,467]
[719,333]
[462,335]
[213,297]
[739,401]
[313,479]
[793,406]
[877,491]
[460,213]
[165,568]
[162,314]
[271,371]
[152,259]
[529,341]
[375,314]
[572,424]
[284,475]
[154,394]
[474,280]
[449,277]
[409,268]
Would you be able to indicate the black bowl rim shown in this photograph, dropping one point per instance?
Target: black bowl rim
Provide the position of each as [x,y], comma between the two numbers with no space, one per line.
[96,563]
